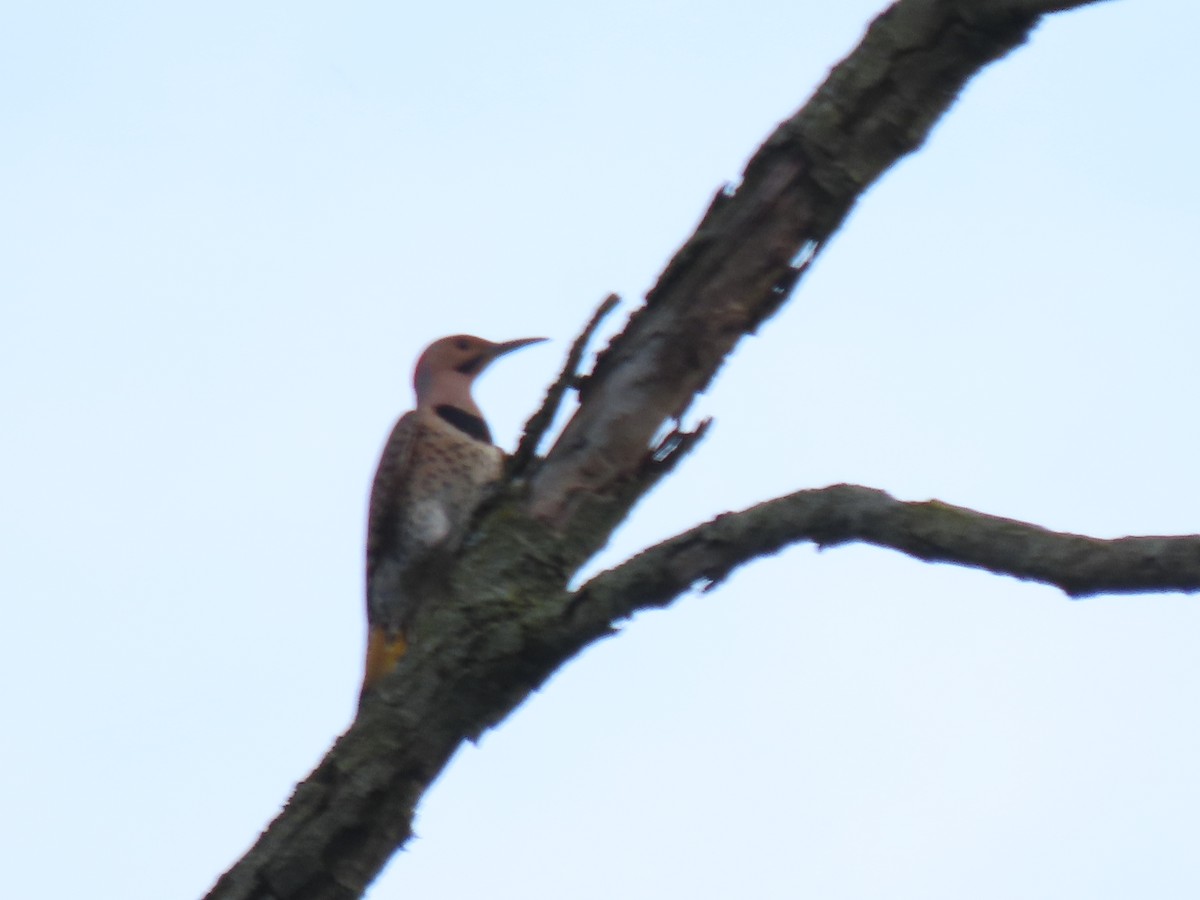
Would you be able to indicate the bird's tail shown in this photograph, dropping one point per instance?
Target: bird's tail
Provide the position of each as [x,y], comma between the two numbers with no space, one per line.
[384,649]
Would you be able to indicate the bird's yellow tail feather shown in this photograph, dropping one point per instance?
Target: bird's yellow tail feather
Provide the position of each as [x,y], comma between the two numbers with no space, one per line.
[384,650]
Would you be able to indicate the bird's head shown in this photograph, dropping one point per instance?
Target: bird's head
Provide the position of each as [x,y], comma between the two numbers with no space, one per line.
[448,366]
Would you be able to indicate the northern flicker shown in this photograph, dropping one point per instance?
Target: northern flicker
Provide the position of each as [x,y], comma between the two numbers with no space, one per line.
[434,471]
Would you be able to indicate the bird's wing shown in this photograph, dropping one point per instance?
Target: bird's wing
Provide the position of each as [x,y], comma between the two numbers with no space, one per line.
[389,489]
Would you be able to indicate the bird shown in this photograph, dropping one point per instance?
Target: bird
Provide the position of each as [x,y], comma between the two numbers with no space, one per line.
[435,469]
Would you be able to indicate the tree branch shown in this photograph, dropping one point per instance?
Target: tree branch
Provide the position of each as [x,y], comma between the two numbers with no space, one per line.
[540,422]
[751,247]
[508,621]
[931,531]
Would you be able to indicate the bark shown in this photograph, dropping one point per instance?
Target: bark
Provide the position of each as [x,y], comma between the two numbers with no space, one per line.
[510,620]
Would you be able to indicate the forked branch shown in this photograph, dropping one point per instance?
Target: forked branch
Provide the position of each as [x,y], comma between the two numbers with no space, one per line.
[510,622]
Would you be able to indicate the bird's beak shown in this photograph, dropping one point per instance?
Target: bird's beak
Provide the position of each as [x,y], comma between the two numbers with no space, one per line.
[510,346]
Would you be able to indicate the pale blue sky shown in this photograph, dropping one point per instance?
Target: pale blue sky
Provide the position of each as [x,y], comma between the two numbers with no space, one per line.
[226,230]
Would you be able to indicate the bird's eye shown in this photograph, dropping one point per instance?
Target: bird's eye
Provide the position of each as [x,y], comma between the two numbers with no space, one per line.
[462,344]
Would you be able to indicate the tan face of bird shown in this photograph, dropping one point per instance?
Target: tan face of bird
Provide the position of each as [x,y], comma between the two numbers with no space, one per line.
[447,368]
